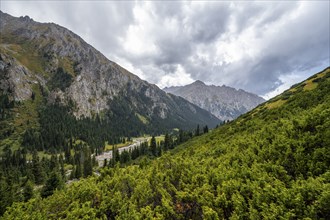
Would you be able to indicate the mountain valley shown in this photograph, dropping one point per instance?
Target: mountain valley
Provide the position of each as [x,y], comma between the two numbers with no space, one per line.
[83,138]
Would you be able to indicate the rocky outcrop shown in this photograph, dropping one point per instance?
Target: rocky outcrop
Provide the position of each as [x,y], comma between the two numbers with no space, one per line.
[15,79]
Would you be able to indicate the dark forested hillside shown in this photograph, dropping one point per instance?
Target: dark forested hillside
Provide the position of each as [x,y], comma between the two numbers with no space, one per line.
[271,163]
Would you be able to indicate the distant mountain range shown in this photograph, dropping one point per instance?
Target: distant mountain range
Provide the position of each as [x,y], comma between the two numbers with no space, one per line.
[222,101]
[44,61]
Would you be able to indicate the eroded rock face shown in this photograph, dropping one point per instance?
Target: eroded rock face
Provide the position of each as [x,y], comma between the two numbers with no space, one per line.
[70,70]
[15,79]
[224,102]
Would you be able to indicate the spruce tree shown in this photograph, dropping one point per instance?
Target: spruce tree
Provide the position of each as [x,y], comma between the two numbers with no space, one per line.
[166,142]
[206,129]
[88,166]
[37,169]
[197,133]
[153,146]
[53,182]
[28,191]
[61,162]
[78,172]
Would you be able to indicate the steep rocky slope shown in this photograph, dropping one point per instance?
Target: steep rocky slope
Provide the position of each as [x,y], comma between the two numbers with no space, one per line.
[48,60]
[224,102]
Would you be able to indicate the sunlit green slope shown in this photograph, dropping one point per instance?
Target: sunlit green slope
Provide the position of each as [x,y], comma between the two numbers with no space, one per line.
[271,163]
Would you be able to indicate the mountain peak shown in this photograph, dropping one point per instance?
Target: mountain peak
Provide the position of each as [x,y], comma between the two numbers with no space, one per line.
[225,102]
[198,82]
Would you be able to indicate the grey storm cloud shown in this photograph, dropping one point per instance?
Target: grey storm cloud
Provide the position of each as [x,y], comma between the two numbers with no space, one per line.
[303,44]
[209,22]
[261,13]
[256,46]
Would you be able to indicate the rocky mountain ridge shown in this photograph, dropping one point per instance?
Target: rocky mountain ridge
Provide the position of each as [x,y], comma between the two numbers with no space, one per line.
[54,60]
[224,102]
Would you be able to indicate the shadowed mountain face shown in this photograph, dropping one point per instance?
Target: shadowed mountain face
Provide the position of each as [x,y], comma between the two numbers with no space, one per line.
[46,61]
[222,101]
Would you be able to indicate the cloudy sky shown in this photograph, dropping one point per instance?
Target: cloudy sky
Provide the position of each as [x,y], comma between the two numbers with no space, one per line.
[263,47]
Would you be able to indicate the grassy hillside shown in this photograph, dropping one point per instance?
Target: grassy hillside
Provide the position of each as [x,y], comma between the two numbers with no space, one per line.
[271,163]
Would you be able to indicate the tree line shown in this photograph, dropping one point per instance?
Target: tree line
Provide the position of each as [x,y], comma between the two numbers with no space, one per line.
[154,149]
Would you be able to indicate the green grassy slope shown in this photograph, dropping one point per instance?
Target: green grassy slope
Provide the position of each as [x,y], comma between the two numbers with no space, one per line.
[271,163]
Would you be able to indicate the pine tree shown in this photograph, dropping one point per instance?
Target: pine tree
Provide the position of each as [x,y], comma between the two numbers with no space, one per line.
[159,151]
[28,191]
[153,146]
[54,165]
[67,152]
[54,182]
[37,169]
[166,142]
[181,136]
[78,172]
[197,133]
[116,155]
[61,162]
[125,156]
[206,129]
[88,166]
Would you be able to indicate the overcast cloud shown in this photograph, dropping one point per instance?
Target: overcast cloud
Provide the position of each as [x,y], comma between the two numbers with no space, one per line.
[262,47]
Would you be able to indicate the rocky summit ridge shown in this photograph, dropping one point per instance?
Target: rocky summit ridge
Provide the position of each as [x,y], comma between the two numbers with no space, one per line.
[223,101]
